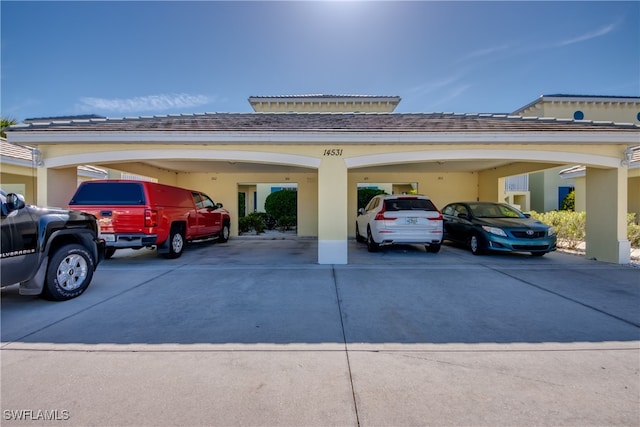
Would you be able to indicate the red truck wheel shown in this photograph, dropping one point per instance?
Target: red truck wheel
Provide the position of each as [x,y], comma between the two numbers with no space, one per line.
[176,243]
[223,237]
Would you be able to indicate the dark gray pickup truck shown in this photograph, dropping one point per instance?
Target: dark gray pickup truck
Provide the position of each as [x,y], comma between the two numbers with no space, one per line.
[50,252]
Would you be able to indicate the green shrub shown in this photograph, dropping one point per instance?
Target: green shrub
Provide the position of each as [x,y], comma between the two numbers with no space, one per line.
[569,201]
[241,204]
[286,222]
[633,230]
[253,221]
[571,226]
[283,206]
[244,224]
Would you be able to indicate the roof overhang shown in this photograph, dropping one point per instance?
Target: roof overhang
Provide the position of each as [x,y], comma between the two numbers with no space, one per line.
[36,138]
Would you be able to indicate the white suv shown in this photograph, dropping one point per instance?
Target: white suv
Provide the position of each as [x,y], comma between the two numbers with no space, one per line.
[400,219]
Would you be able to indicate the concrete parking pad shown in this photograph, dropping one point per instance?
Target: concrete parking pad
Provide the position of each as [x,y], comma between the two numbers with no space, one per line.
[254,332]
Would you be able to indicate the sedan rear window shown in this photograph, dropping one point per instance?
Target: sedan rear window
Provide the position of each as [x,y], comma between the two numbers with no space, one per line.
[409,205]
[109,193]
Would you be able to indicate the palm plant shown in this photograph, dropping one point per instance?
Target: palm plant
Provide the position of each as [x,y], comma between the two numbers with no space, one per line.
[5,122]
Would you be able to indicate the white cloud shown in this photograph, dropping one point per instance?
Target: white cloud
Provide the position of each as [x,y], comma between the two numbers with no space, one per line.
[143,103]
[485,52]
[453,93]
[592,35]
[435,85]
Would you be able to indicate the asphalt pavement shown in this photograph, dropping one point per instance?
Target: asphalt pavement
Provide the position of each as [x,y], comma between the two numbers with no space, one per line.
[254,332]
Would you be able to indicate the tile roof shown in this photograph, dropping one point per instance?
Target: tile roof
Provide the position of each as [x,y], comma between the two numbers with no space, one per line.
[562,95]
[15,152]
[580,170]
[326,96]
[581,99]
[59,118]
[325,122]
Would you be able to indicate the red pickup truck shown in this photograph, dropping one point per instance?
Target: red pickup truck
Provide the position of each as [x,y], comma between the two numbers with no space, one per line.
[137,214]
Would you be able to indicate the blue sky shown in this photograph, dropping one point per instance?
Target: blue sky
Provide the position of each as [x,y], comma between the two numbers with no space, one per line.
[121,59]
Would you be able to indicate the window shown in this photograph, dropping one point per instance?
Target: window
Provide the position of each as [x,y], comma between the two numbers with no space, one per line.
[197,200]
[409,204]
[372,204]
[109,193]
[461,210]
[207,202]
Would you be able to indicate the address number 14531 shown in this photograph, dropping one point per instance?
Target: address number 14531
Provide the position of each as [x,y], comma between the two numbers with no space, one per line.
[333,152]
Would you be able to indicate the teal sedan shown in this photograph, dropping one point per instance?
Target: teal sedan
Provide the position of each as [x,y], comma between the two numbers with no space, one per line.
[496,227]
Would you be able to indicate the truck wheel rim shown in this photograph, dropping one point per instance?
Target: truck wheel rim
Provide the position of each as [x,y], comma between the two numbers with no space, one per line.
[225,232]
[177,243]
[72,272]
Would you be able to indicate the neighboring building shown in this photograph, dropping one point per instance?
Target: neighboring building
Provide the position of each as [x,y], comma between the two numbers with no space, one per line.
[17,171]
[548,188]
[618,109]
[577,176]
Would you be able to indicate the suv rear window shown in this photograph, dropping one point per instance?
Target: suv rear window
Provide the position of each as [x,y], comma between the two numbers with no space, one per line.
[409,204]
[109,193]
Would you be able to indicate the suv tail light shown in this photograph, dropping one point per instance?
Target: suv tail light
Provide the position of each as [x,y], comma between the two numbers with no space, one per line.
[438,218]
[381,217]
[150,218]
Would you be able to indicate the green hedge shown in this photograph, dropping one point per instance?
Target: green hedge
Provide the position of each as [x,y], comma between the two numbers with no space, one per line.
[283,207]
[570,226]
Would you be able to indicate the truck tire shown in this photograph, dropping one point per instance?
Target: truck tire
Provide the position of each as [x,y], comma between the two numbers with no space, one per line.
[176,242]
[108,253]
[69,273]
[223,237]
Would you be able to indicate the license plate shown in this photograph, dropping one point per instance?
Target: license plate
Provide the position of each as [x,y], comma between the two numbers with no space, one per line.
[108,237]
[411,220]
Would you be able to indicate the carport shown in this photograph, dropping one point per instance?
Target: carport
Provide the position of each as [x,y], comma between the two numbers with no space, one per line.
[449,156]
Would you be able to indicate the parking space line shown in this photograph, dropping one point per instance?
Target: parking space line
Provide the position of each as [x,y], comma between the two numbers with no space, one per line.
[346,349]
[542,288]
[84,309]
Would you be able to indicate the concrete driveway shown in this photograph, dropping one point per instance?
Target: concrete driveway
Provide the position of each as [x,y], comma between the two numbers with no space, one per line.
[254,332]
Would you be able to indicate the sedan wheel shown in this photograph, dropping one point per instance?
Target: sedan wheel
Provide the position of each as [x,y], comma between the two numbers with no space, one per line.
[475,245]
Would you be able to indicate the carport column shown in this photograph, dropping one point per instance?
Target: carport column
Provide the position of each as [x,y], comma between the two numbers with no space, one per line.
[606,233]
[332,211]
[56,186]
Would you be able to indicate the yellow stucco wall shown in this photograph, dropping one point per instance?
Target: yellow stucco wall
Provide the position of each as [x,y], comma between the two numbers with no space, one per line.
[224,187]
[11,181]
[606,224]
[323,107]
[633,196]
[624,112]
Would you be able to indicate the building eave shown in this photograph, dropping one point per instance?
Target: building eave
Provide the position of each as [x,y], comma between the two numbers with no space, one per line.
[578,99]
[321,137]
